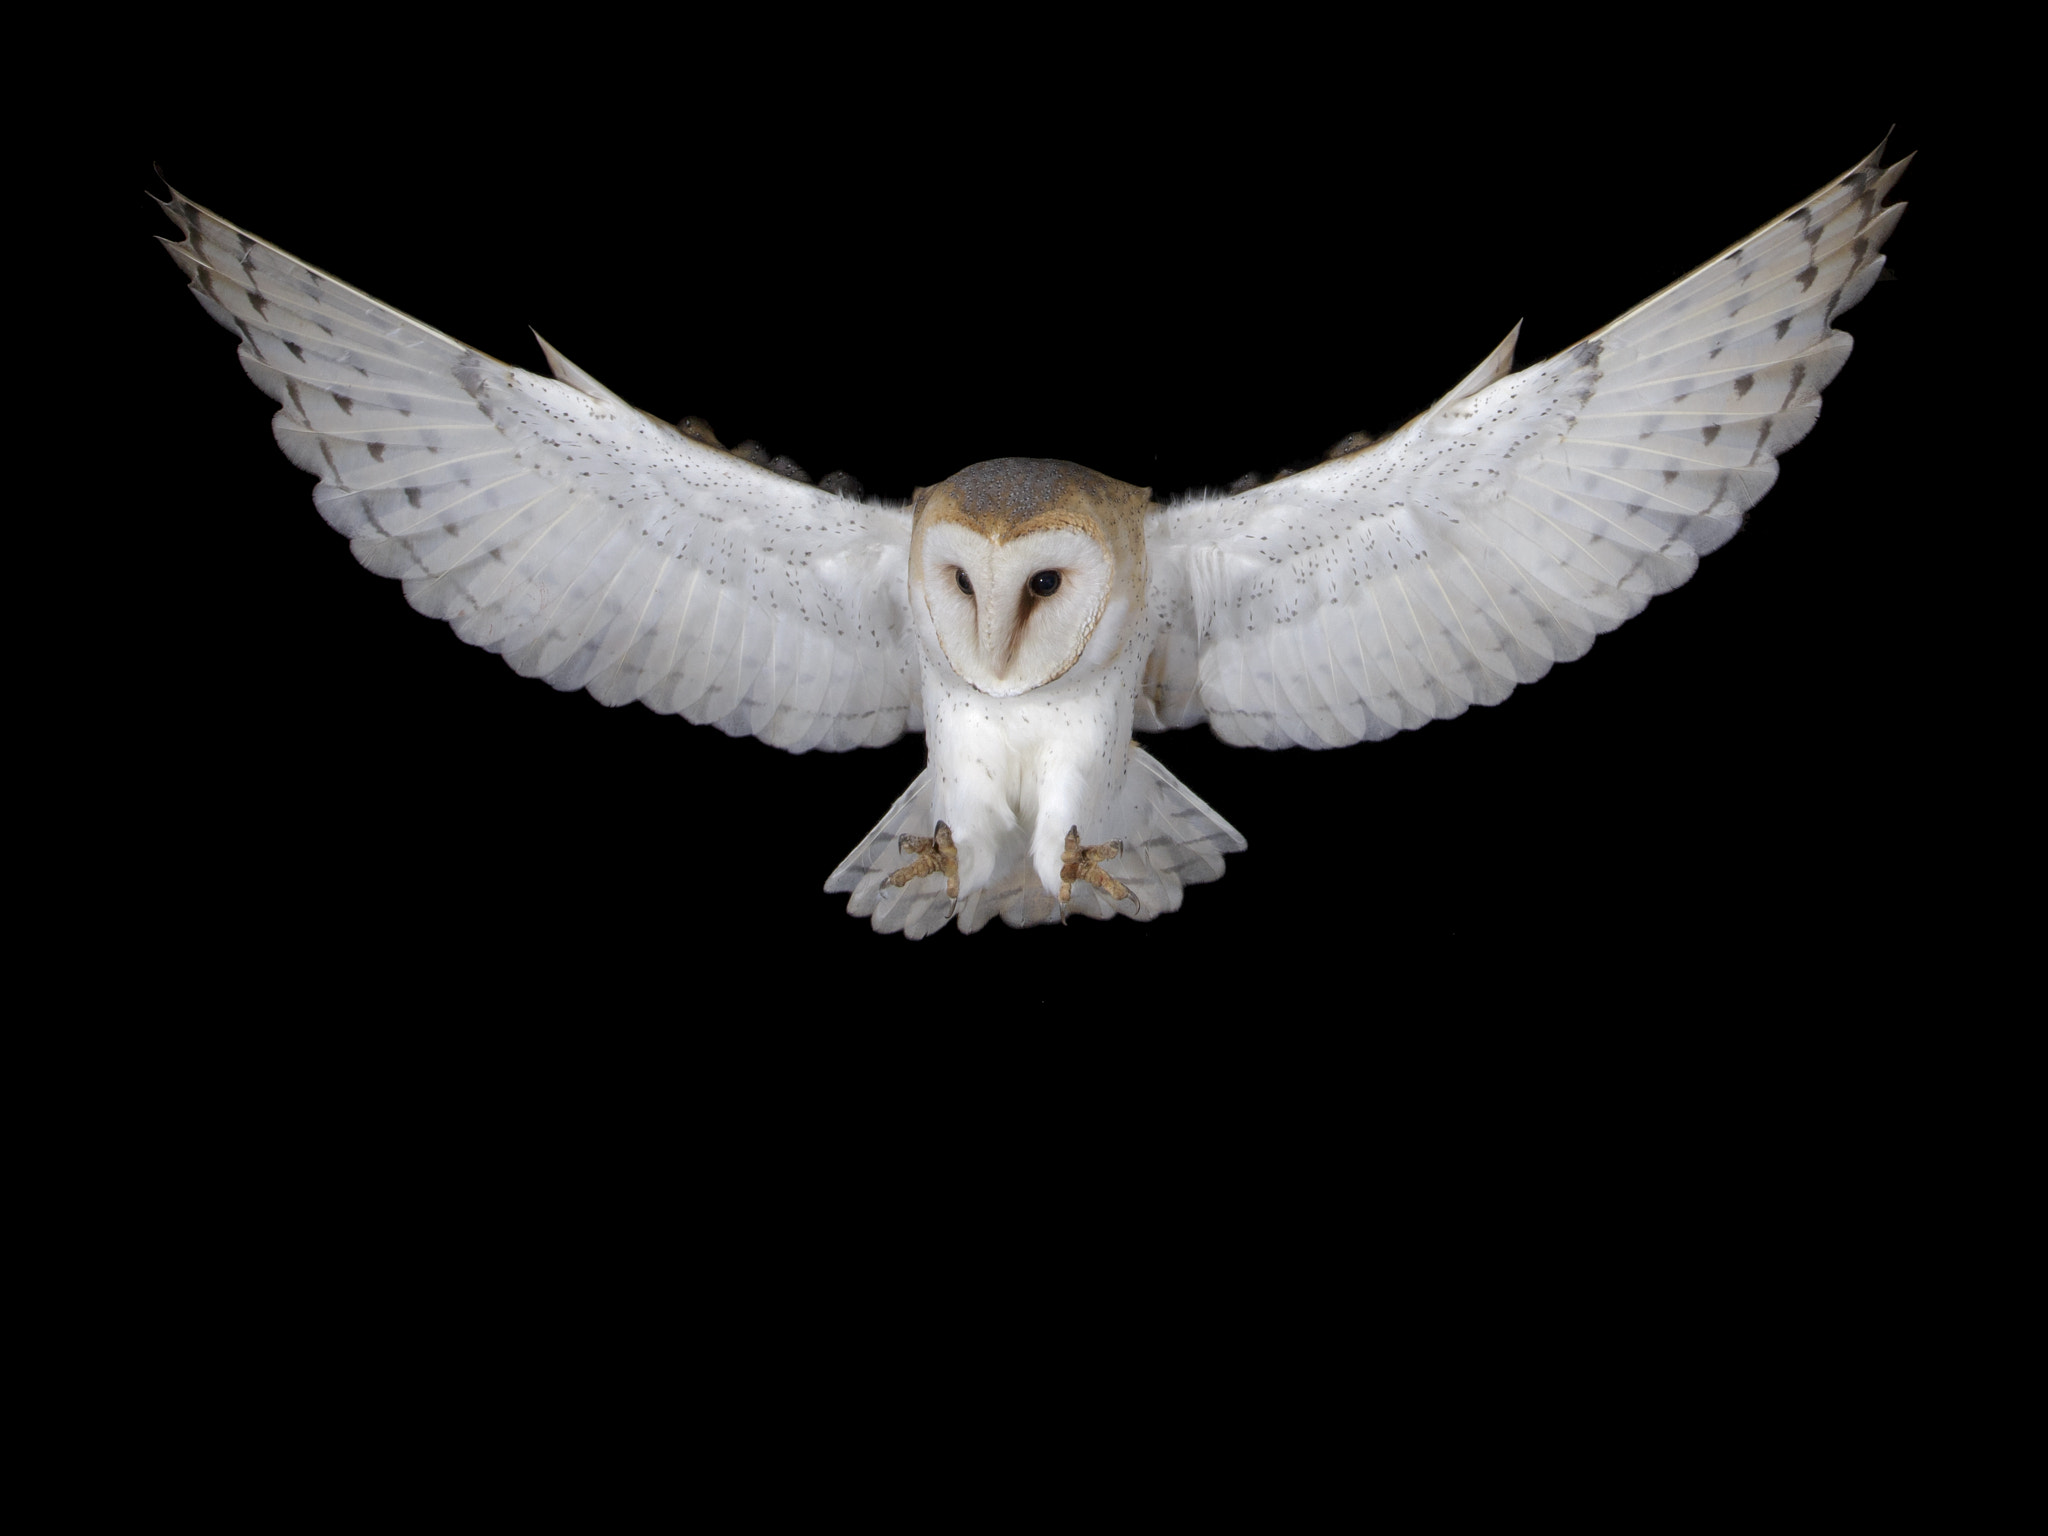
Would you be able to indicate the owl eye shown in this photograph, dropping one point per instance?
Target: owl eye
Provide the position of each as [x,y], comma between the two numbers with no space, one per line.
[1045,583]
[965,585]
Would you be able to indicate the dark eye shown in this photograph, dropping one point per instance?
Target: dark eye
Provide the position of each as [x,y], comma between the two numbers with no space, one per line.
[965,585]
[1045,583]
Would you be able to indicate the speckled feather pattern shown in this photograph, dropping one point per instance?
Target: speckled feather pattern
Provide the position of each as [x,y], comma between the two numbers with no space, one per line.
[586,542]
[1493,536]
[1501,530]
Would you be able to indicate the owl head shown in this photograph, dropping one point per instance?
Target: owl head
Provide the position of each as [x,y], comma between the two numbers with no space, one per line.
[1026,566]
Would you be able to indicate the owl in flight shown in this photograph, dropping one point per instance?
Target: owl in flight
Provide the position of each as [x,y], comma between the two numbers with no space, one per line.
[1028,614]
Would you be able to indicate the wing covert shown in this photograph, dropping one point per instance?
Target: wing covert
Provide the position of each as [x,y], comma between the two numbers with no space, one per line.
[1502,529]
[587,542]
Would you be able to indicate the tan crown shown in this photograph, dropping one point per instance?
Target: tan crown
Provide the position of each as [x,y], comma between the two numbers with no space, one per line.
[1000,524]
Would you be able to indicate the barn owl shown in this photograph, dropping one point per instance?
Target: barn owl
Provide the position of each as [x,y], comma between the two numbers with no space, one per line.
[1029,615]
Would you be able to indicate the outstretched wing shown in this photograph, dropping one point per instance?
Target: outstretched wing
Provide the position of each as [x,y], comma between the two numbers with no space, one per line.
[1520,516]
[548,520]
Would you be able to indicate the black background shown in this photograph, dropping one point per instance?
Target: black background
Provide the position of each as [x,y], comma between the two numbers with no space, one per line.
[1629,1001]
[902,276]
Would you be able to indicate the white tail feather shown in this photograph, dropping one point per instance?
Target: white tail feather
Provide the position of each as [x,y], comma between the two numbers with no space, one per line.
[1171,840]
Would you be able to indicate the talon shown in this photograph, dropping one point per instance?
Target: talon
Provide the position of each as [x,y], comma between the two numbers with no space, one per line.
[935,855]
[1081,864]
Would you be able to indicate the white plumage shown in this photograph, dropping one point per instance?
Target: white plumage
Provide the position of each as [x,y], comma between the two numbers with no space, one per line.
[1523,514]
[1496,533]
[555,524]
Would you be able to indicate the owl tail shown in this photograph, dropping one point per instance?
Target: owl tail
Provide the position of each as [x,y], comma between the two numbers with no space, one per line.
[1171,840]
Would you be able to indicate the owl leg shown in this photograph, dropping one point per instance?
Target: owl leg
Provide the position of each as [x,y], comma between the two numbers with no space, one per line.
[935,855]
[1084,864]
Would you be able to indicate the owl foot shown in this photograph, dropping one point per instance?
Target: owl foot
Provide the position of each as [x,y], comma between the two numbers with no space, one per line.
[935,855]
[1082,864]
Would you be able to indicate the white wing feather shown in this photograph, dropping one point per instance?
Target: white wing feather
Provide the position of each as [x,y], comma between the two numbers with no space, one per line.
[1505,527]
[547,520]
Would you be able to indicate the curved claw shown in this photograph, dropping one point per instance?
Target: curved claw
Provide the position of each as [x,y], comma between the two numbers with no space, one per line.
[1083,864]
[935,855]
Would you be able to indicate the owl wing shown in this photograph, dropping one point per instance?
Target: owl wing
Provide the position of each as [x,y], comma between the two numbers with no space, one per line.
[548,520]
[1522,514]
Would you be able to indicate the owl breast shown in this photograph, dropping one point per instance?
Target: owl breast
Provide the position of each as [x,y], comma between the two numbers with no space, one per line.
[1027,586]
[1013,774]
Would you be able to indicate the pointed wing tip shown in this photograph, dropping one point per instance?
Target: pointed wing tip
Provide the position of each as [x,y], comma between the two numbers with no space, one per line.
[1875,162]
[169,204]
